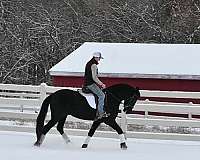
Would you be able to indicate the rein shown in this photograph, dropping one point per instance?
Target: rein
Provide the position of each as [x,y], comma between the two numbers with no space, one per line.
[117,98]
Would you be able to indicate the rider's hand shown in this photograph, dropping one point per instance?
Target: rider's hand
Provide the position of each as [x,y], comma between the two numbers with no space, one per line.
[103,85]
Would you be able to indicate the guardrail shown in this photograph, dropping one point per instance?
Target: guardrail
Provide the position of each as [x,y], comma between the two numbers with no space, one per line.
[24,101]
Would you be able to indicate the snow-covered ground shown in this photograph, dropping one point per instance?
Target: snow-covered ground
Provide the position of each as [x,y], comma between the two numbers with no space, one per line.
[19,146]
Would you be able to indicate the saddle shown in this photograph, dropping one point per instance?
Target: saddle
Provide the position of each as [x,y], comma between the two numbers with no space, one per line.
[90,96]
[87,91]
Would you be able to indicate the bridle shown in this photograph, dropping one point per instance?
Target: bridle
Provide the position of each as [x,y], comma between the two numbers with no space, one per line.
[128,105]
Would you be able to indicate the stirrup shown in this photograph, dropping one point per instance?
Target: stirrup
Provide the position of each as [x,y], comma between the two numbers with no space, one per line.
[102,115]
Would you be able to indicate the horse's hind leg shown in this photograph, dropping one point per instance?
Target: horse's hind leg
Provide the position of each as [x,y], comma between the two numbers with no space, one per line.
[112,123]
[60,127]
[91,133]
[46,128]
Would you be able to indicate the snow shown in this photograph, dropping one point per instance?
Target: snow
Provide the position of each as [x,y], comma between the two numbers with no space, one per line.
[19,146]
[125,59]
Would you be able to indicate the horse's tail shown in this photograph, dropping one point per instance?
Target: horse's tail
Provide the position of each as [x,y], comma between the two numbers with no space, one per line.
[41,116]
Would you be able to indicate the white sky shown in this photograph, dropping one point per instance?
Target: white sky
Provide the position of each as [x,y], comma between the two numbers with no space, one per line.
[134,58]
[19,146]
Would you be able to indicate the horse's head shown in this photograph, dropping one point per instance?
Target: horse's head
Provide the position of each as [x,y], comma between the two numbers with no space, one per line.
[120,92]
[130,102]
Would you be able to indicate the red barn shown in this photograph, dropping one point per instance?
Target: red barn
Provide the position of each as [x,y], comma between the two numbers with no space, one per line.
[172,67]
[148,66]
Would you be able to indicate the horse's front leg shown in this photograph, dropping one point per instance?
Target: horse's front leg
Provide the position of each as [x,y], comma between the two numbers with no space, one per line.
[112,123]
[91,133]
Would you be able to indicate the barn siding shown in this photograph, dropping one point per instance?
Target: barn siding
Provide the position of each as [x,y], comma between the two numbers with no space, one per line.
[142,83]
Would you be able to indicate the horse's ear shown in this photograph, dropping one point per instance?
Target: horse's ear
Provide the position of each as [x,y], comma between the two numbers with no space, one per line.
[137,91]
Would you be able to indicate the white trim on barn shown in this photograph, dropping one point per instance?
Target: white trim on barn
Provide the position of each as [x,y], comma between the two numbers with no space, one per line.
[135,60]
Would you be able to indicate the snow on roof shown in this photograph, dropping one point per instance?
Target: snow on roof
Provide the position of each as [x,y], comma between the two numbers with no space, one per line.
[135,60]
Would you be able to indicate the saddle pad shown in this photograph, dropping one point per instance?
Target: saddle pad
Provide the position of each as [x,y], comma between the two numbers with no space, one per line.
[90,98]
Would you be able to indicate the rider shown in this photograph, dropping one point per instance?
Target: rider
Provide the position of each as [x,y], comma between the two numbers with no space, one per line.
[92,82]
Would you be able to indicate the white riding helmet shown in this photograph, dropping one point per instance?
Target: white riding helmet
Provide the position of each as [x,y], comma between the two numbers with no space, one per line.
[97,54]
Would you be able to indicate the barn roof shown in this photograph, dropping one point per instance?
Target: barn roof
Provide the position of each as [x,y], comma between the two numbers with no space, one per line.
[135,60]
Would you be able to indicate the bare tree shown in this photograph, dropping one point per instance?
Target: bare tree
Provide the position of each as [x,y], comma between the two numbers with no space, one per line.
[36,34]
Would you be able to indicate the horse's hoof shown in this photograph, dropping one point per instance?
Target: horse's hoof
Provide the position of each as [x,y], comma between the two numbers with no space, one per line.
[123,146]
[66,138]
[68,141]
[84,146]
[37,144]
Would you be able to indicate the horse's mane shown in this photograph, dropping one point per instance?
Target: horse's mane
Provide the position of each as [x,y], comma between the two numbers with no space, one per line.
[120,85]
[123,87]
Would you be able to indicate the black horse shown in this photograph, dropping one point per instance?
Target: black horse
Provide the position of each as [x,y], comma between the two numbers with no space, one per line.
[68,102]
